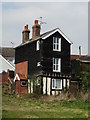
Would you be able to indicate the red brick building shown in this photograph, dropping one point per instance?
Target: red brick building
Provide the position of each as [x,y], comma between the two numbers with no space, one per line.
[21,77]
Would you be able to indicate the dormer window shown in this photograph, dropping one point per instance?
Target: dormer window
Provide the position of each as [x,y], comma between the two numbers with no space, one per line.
[56,44]
[38,45]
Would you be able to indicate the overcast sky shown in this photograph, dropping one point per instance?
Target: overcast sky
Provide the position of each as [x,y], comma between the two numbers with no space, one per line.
[71,18]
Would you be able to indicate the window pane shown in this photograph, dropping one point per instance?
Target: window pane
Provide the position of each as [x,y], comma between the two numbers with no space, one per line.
[54,40]
[57,41]
[57,46]
[56,61]
[53,67]
[53,83]
[57,67]
[54,46]
[58,83]
[53,60]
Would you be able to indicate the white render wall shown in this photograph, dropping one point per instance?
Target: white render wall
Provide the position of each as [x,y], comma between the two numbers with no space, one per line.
[29,86]
[54,92]
[44,85]
[64,82]
[48,85]
[68,82]
[5,65]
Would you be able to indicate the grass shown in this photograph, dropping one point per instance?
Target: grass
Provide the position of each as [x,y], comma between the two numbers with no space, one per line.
[13,107]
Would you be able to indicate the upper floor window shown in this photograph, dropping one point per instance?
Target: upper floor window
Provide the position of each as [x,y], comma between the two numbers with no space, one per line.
[56,64]
[56,44]
[38,45]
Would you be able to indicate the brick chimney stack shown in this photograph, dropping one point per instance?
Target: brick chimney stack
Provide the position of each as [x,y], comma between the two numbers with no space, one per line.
[25,34]
[35,30]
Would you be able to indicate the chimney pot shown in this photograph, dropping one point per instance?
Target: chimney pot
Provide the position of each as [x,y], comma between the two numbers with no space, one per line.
[36,22]
[26,27]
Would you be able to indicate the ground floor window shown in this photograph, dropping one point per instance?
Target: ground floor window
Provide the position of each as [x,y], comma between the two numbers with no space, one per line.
[23,83]
[56,84]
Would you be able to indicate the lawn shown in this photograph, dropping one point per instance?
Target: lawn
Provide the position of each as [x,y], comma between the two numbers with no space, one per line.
[13,107]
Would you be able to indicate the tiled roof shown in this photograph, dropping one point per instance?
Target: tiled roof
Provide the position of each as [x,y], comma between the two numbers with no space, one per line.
[74,57]
[82,58]
[22,77]
[19,76]
[7,52]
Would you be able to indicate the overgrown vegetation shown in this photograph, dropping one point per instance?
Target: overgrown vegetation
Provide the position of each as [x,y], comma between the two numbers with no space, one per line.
[81,73]
[22,107]
[36,88]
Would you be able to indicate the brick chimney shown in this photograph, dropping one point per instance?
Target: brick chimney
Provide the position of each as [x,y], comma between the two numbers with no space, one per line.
[35,30]
[25,34]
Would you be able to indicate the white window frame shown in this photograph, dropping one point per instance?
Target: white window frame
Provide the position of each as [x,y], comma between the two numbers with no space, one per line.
[54,82]
[38,64]
[55,64]
[24,82]
[38,45]
[56,42]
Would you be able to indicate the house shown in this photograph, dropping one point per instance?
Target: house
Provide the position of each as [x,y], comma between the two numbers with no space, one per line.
[79,63]
[84,61]
[5,65]
[46,57]
[9,54]
[21,84]
[6,70]
[6,73]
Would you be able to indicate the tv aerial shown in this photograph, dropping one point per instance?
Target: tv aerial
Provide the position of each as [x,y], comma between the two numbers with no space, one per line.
[41,22]
[12,44]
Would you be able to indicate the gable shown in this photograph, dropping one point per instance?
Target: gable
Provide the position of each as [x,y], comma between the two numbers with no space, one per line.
[60,32]
[46,35]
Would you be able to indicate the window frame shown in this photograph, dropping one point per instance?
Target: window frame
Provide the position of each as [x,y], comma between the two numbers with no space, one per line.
[54,85]
[37,45]
[55,65]
[22,84]
[38,64]
[56,42]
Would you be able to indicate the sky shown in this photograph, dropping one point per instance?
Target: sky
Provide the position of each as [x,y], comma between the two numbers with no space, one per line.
[70,17]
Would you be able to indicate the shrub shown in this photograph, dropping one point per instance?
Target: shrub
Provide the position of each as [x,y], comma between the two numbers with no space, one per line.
[85,76]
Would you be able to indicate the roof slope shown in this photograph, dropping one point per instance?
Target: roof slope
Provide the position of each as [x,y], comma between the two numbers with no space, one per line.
[46,35]
[7,52]
[82,58]
[5,65]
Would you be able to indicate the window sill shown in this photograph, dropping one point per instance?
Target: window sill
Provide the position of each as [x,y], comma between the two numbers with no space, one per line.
[57,50]
[56,71]
[56,88]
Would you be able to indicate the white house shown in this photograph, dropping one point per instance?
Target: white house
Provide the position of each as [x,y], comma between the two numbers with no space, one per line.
[5,65]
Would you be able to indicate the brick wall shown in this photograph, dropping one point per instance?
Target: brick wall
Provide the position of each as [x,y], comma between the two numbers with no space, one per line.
[4,77]
[21,68]
[20,89]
